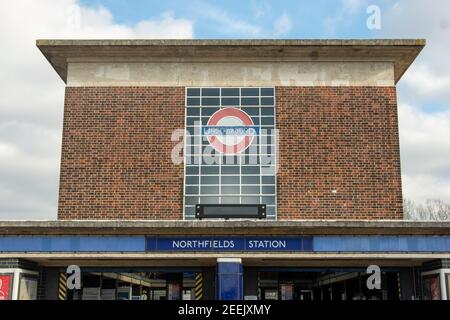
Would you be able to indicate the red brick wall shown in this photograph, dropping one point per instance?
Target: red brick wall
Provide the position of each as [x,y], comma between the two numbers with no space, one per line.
[338,138]
[116,153]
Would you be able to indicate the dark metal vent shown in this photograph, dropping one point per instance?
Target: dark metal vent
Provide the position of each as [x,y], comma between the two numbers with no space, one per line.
[230,211]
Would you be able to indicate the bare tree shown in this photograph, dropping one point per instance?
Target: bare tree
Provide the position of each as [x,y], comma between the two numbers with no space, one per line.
[431,210]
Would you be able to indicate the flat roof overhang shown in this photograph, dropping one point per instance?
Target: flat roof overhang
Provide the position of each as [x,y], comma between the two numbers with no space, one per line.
[255,259]
[401,52]
[141,229]
[230,227]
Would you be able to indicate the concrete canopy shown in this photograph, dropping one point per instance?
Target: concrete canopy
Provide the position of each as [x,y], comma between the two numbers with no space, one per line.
[205,227]
[401,52]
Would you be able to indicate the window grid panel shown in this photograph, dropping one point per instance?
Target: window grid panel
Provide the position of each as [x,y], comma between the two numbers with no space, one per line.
[233,186]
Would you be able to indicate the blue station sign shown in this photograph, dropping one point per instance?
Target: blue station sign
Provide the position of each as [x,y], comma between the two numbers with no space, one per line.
[217,244]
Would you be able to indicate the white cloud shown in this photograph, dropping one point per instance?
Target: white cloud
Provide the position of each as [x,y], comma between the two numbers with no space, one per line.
[31,103]
[165,28]
[425,83]
[343,15]
[429,77]
[352,6]
[425,153]
[282,25]
[424,135]
[425,143]
[261,9]
[224,23]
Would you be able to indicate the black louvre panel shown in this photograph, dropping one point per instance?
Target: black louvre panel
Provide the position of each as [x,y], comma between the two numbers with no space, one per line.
[227,211]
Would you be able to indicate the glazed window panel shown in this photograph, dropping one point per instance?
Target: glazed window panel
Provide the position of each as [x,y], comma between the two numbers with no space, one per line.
[246,176]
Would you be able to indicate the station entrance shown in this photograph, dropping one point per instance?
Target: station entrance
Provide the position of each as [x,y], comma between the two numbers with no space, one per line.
[324,284]
[268,283]
[139,284]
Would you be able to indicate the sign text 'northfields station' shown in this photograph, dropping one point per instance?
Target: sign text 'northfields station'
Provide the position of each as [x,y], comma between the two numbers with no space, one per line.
[229,244]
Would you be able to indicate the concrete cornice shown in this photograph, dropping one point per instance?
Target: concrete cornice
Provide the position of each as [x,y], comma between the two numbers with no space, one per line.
[401,52]
[229,42]
[242,227]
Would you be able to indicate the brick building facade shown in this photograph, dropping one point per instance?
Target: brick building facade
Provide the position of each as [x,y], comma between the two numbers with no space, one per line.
[338,153]
[116,153]
[343,139]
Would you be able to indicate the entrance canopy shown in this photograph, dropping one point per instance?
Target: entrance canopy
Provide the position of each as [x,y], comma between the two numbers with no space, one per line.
[174,243]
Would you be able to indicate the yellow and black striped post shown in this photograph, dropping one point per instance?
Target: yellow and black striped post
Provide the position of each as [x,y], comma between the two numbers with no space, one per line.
[198,286]
[62,286]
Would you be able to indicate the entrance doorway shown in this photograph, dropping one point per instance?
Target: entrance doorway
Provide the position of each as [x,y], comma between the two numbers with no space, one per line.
[323,284]
[135,284]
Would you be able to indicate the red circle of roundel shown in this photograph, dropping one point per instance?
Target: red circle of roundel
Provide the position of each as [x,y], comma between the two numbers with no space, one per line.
[230,112]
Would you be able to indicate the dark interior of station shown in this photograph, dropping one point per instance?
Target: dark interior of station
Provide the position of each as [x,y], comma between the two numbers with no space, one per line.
[323,284]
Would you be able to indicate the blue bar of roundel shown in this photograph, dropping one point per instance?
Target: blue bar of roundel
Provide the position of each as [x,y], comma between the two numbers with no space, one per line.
[223,129]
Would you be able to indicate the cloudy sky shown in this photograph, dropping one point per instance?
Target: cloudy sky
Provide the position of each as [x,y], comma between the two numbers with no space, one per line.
[31,94]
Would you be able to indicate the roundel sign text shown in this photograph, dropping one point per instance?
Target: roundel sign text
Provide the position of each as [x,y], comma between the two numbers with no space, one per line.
[230,130]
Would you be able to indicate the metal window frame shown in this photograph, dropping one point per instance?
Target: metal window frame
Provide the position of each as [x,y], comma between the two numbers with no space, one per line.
[273,145]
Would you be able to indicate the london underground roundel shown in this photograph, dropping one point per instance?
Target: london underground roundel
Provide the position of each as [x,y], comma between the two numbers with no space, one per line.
[230,130]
